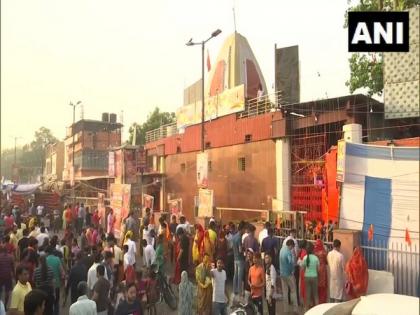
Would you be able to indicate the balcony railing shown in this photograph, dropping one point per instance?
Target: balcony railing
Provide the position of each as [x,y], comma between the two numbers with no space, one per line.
[258,106]
[161,132]
[253,107]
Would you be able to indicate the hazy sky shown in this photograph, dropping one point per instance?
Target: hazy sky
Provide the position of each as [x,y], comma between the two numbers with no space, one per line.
[131,56]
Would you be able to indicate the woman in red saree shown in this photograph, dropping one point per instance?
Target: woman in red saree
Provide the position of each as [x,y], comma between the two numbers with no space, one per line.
[357,274]
[177,271]
[302,254]
[321,253]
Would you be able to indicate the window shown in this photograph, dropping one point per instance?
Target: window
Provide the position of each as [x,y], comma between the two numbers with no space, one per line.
[183,167]
[209,166]
[208,145]
[248,138]
[241,164]
[178,149]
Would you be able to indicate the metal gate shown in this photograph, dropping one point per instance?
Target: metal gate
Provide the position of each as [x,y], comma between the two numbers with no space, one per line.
[399,259]
[307,158]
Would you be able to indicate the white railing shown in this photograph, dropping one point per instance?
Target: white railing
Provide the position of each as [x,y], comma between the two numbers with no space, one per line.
[253,107]
[161,132]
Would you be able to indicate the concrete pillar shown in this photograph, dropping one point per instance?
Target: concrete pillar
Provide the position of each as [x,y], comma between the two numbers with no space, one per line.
[155,163]
[283,167]
[349,240]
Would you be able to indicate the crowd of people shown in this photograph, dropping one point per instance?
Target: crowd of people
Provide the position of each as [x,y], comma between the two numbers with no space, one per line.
[102,275]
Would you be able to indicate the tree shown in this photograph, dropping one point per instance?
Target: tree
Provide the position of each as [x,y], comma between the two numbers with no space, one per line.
[154,120]
[366,70]
[30,158]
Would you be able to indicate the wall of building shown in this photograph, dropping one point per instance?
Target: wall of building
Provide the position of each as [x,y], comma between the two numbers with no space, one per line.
[91,152]
[283,167]
[220,132]
[54,161]
[233,188]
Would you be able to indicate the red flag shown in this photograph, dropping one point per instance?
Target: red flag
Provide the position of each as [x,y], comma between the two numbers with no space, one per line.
[407,237]
[208,61]
[370,233]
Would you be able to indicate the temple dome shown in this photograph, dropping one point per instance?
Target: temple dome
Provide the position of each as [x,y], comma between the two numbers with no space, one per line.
[236,65]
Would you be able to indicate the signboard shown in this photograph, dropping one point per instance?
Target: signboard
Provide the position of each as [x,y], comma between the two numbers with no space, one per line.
[120,203]
[111,164]
[205,203]
[401,75]
[130,166]
[118,166]
[175,206]
[148,202]
[228,102]
[286,77]
[101,208]
[341,160]
[202,170]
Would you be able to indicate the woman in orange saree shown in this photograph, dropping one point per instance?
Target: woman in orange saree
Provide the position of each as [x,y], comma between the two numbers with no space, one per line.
[357,274]
[321,253]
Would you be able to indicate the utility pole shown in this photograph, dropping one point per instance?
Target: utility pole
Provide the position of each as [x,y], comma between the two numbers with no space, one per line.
[72,155]
[15,158]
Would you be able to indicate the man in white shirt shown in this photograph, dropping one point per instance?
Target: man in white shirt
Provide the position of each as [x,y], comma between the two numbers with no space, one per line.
[42,236]
[83,306]
[270,284]
[183,224]
[149,235]
[92,274]
[220,295]
[40,211]
[335,261]
[132,250]
[264,232]
[149,254]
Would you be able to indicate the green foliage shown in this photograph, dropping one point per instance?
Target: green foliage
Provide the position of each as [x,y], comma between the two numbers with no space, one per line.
[366,71]
[29,158]
[154,120]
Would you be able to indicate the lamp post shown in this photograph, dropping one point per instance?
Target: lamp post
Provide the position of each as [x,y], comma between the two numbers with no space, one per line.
[202,43]
[72,132]
[14,160]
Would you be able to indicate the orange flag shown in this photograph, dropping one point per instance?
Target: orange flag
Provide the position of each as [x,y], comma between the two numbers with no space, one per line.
[370,233]
[407,237]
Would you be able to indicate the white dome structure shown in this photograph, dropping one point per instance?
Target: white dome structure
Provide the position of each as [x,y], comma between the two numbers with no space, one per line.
[236,65]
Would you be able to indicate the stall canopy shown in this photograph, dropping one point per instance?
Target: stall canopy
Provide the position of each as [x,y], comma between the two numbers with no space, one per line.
[24,189]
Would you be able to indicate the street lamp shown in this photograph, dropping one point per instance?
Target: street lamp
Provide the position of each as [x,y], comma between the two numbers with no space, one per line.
[14,164]
[72,131]
[191,43]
